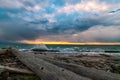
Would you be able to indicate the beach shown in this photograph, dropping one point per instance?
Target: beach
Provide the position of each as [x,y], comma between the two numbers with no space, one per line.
[103,62]
[59,39]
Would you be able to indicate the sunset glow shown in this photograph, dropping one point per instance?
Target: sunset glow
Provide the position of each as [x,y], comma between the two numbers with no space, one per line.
[69,43]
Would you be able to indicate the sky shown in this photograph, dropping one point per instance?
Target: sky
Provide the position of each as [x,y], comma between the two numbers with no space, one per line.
[60,20]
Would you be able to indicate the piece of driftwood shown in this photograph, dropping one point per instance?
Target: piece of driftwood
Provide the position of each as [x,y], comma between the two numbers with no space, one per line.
[46,70]
[94,74]
[15,70]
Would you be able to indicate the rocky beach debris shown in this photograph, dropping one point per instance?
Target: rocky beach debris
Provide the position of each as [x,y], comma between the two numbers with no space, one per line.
[104,62]
[13,69]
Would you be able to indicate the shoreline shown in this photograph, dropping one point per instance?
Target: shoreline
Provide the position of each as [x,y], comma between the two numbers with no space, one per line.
[104,62]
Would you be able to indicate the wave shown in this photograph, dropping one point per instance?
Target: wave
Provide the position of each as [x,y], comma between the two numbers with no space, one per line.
[63,49]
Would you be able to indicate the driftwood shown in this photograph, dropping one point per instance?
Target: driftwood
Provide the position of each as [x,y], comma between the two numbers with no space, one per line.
[15,70]
[46,70]
[83,71]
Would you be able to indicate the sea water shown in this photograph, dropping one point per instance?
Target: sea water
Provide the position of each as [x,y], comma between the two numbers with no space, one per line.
[87,49]
[84,49]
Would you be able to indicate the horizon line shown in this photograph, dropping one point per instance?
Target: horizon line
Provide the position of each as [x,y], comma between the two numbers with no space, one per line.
[69,43]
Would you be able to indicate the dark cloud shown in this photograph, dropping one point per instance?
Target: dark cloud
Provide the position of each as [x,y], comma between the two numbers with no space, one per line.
[32,19]
[114,11]
[42,21]
[100,33]
[17,31]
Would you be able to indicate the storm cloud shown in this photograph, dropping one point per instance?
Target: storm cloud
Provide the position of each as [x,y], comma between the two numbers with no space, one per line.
[63,20]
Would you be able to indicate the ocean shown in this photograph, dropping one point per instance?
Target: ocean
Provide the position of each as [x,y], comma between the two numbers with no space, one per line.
[82,49]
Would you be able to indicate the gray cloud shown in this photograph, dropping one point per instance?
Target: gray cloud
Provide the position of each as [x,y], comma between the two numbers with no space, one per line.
[10,4]
[32,19]
[114,11]
[16,31]
[99,33]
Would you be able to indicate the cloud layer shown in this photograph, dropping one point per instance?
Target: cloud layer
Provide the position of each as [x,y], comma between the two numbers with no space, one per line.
[63,20]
